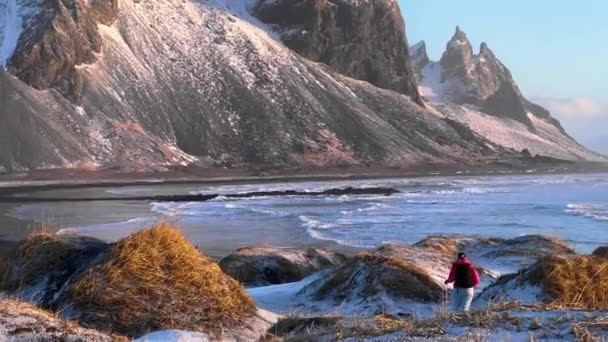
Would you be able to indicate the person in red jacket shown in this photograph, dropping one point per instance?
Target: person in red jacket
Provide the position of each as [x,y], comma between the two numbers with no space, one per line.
[465,278]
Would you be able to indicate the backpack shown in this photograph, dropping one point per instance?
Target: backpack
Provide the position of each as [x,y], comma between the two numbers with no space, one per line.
[464,276]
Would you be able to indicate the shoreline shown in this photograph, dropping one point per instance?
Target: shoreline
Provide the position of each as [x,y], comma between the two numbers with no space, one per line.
[78,179]
[21,226]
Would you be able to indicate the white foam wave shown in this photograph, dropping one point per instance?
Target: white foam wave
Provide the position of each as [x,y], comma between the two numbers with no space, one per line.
[593,211]
[374,207]
[468,190]
[316,229]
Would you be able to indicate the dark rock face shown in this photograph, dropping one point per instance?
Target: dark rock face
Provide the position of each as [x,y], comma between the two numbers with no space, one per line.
[271,265]
[420,58]
[64,36]
[45,264]
[601,252]
[364,40]
[507,103]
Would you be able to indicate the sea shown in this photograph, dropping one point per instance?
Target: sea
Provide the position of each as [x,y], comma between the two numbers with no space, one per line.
[571,207]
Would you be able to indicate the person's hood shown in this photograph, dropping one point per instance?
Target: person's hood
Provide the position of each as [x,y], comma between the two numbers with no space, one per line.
[462,261]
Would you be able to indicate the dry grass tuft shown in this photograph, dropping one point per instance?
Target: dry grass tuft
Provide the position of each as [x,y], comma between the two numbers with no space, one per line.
[155,279]
[396,277]
[580,281]
[302,326]
[445,245]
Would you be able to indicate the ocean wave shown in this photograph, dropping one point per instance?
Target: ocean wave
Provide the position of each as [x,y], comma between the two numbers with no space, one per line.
[177,209]
[373,207]
[461,191]
[593,211]
[320,231]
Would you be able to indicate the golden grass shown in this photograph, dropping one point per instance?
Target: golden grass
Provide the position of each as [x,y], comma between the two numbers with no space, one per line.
[155,279]
[396,277]
[301,326]
[580,281]
[443,244]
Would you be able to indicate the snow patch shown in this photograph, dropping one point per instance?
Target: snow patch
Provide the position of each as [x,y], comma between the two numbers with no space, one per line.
[174,336]
[546,141]
[13,14]
[431,86]
[243,9]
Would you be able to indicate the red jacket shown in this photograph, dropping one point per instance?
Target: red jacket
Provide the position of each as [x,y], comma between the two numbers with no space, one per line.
[463,261]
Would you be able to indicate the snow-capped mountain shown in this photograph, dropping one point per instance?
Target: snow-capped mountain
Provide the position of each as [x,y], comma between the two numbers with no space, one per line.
[145,84]
[479,91]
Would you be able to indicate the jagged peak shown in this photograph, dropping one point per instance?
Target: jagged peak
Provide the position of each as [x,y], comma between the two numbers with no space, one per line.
[459,35]
[420,45]
[486,52]
[419,55]
[459,40]
[484,48]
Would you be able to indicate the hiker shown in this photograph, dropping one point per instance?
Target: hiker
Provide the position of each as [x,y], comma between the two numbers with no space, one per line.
[465,278]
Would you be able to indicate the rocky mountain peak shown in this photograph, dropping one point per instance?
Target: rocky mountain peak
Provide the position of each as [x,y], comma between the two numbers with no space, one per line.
[482,80]
[458,57]
[459,34]
[57,36]
[484,49]
[360,39]
[420,57]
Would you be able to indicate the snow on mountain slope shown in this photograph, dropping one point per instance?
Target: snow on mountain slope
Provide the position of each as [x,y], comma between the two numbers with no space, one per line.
[179,82]
[13,13]
[242,9]
[546,139]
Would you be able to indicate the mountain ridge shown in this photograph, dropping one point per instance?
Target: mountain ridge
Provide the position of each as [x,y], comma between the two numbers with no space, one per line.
[479,90]
[207,84]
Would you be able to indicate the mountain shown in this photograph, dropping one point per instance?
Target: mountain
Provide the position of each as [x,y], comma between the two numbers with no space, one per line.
[479,91]
[140,85]
[360,39]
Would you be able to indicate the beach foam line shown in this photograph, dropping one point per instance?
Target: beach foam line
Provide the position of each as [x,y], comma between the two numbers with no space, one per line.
[593,211]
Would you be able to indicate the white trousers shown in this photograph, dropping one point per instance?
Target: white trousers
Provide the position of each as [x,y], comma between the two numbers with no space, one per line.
[462,298]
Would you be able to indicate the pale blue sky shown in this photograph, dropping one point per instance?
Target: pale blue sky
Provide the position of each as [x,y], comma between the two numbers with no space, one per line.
[557,50]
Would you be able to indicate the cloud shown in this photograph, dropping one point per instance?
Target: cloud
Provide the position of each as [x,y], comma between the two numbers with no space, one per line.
[573,108]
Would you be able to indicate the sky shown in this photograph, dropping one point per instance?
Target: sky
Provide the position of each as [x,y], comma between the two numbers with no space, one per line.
[557,51]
